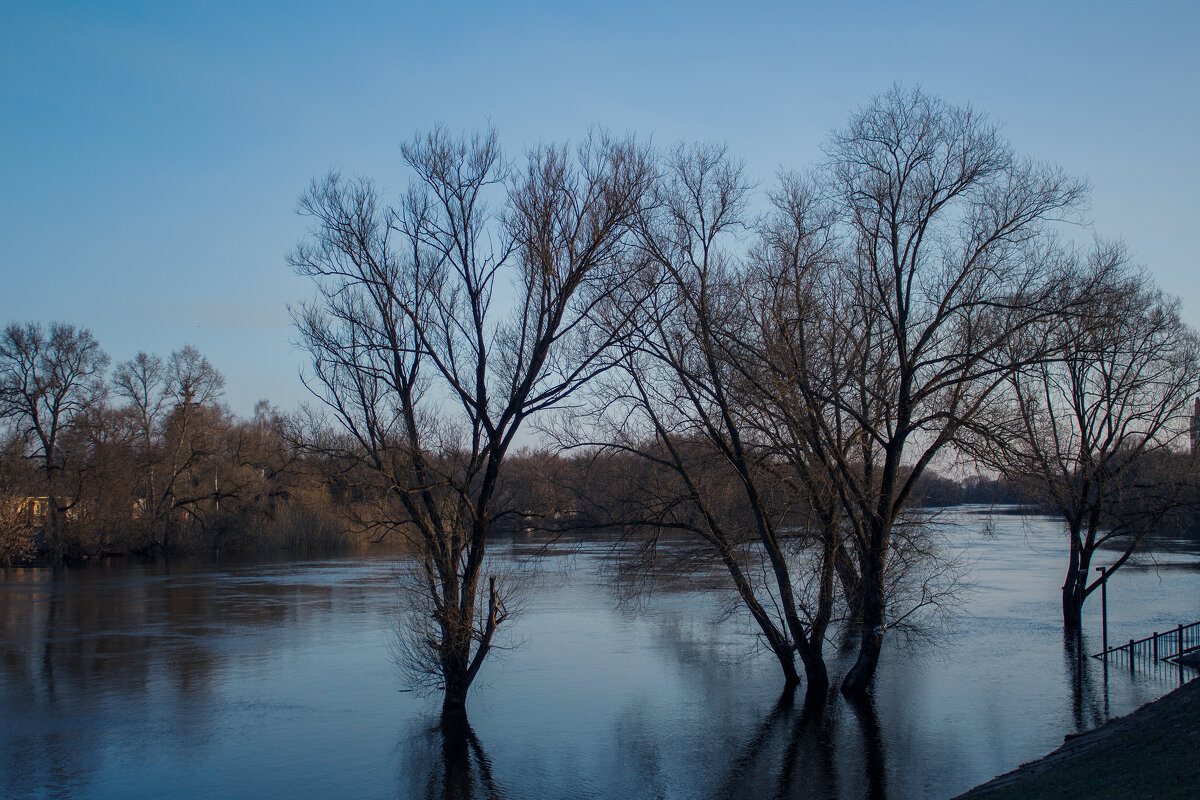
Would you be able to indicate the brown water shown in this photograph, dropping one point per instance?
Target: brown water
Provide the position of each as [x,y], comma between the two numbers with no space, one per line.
[275,680]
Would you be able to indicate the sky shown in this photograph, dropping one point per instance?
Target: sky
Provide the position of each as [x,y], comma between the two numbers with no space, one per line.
[153,153]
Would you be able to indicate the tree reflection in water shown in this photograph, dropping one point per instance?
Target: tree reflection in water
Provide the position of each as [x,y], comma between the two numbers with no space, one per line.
[91,649]
[874,758]
[789,755]
[792,753]
[460,771]
[257,678]
[1089,708]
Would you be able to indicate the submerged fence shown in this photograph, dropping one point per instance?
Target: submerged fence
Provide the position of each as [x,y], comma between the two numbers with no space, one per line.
[1166,646]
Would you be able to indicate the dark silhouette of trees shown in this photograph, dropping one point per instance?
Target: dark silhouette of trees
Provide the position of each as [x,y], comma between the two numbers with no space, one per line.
[440,327]
[164,469]
[1089,431]
[173,409]
[678,402]
[777,388]
[922,314]
[49,380]
[886,300]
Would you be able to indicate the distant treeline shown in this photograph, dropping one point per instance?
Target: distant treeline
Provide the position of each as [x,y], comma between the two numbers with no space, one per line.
[145,459]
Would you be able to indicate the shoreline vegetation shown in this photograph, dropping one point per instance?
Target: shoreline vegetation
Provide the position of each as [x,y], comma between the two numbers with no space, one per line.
[276,497]
[304,509]
[1150,753]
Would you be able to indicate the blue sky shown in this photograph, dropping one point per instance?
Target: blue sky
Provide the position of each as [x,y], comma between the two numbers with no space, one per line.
[153,152]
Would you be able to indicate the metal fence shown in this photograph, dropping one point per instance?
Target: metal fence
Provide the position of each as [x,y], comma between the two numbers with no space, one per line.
[1166,646]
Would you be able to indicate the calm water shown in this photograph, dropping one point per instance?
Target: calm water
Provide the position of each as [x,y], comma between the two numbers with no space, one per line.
[275,680]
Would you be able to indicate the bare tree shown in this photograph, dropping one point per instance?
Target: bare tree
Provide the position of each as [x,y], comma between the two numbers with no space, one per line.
[141,382]
[170,403]
[1089,431]
[940,271]
[679,403]
[16,529]
[432,363]
[49,380]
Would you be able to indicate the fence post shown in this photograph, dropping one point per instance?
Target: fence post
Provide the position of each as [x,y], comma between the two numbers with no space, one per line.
[1179,633]
[1104,607]
[1156,645]
[1131,656]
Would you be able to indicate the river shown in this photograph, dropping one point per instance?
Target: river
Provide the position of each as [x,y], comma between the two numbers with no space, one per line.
[277,679]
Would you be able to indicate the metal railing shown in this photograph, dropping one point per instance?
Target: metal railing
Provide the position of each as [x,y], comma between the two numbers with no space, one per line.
[1166,646]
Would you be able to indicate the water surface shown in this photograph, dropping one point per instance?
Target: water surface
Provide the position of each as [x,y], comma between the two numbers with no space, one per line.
[274,679]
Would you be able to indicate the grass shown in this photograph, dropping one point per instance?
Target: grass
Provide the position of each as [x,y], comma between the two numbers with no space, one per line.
[1152,753]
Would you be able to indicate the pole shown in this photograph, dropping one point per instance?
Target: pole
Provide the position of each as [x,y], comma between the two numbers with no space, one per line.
[1104,607]
[1079,628]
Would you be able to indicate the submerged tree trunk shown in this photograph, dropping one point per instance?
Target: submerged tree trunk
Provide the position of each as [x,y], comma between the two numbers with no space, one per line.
[871,631]
[1072,601]
[814,660]
[1074,587]
[454,671]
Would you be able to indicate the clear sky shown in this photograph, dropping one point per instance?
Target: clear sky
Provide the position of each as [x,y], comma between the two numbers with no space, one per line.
[153,152]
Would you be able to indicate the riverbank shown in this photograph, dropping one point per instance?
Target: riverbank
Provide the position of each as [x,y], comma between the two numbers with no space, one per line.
[1151,753]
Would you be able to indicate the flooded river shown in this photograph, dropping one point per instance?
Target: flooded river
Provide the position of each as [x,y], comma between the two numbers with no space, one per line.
[276,679]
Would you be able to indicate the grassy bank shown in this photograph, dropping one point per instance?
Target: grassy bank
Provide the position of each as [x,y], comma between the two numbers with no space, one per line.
[1152,753]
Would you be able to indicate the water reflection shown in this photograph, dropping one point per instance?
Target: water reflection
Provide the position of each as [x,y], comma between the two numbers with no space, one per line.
[1089,701]
[790,755]
[259,680]
[445,760]
[126,660]
[874,761]
[93,650]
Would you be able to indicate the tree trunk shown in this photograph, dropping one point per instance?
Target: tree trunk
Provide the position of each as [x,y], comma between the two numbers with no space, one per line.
[1072,601]
[859,678]
[812,655]
[870,632]
[1075,584]
[53,527]
[816,673]
[791,678]
[456,682]
[851,584]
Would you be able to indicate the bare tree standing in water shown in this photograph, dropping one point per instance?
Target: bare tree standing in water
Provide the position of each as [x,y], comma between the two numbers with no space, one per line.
[1090,432]
[943,269]
[678,402]
[440,326]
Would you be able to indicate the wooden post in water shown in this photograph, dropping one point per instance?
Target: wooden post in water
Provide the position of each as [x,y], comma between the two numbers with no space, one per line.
[1104,607]
[1156,645]
[1131,656]
[1179,635]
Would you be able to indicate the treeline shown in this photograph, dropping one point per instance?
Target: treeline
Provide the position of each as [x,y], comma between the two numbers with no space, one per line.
[145,459]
